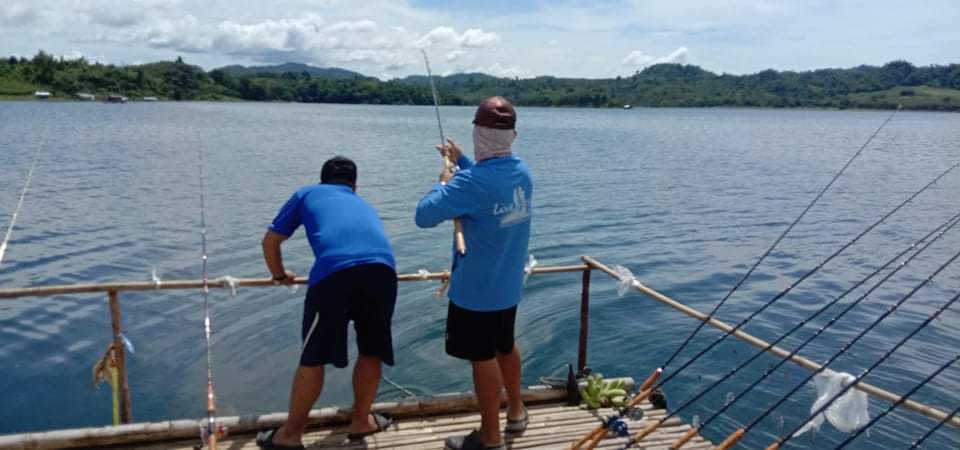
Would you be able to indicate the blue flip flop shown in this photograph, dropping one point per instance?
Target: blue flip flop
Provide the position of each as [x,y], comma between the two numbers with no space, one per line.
[383,422]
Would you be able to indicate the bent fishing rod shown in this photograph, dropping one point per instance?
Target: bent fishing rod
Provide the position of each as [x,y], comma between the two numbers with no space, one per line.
[918,442]
[786,438]
[648,387]
[939,232]
[738,434]
[893,406]
[447,163]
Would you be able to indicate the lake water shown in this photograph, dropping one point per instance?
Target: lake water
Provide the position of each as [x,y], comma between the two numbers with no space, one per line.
[686,198]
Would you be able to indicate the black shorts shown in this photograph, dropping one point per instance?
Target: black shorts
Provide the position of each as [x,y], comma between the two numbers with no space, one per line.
[479,335]
[365,294]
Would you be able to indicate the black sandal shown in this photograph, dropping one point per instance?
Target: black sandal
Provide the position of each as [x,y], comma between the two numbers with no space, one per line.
[383,422]
[265,441]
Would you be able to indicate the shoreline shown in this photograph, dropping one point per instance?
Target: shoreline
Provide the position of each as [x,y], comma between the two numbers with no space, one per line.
[30,98]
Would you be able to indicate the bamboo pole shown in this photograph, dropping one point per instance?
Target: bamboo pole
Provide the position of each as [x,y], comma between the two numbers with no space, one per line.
[584,322]
[126,413]
[42,291]
[187,429]
[777,351]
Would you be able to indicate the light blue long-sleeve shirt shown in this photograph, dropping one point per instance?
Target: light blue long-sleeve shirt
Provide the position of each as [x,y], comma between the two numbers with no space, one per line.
[493,201]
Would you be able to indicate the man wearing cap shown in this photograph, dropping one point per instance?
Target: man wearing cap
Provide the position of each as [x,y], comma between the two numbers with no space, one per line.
[492,199]
[353,278]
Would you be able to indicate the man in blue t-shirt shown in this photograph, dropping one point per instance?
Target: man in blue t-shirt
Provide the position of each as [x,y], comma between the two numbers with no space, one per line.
[492,198]
[353,278]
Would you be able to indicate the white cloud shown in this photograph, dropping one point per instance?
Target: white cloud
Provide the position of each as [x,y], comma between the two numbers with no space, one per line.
[359,26]
[449,38]
[500,70]
[17,15]
[453,55]
[638,59]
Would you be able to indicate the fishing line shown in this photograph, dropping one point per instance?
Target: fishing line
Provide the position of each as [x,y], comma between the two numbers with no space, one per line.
[23,194]
[786,438]
[810,273]
[952,414]
[653,425]
[897,403]
[943,229]
[777,241]
[843,349]
[648,386]
[938,231]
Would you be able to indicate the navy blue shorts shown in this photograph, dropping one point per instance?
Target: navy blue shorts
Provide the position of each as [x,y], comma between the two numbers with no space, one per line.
[365,294]
[479,335]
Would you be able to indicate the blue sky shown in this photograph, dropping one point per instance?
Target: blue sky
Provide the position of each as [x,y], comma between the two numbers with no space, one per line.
[571,38]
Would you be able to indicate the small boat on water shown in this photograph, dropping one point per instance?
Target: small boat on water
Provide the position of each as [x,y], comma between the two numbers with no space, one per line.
[627,106]
[42,95]
[86,97]
[116,99]
[150,99]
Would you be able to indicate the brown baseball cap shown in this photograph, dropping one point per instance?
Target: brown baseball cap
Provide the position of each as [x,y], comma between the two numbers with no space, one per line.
[496,112]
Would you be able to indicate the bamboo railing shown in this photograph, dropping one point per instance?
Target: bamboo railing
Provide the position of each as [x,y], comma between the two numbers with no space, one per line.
[589,264]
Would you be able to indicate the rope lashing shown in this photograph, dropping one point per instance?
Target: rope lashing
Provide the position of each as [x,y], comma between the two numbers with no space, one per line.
[935,234]
[786,438]
[898,403]
[846,347]
[105,370]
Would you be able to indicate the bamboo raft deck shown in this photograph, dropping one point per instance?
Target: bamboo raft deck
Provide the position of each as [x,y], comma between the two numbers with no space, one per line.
[552,426]
[418,424]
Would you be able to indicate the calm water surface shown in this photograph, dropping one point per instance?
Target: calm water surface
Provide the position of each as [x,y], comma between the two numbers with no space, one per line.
[686,198]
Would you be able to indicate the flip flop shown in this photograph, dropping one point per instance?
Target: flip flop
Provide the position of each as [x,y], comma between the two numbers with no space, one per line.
[383,422]
[519,425]
[265,441]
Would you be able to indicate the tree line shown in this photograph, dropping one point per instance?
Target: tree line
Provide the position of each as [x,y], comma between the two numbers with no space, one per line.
[663,85]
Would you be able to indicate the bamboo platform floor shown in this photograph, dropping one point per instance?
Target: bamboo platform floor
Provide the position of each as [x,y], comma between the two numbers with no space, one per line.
[551,427]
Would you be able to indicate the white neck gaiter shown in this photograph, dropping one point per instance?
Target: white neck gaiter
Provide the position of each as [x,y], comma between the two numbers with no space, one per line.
[491,142]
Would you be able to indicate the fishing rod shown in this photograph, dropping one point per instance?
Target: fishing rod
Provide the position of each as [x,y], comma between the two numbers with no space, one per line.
[648,386]
[211,432]
[939,231]
[777,241]
[653,425]
[23,194]
[897,403]
[447,163]
[916,444]
[738,434]
[786,438]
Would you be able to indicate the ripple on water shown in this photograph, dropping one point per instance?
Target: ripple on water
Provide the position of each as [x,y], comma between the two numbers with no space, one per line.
[686,198]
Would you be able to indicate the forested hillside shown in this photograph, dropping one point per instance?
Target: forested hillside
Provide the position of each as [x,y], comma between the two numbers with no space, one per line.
[663,85]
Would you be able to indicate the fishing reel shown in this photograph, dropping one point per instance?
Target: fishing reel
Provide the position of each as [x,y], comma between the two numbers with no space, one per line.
[220,431]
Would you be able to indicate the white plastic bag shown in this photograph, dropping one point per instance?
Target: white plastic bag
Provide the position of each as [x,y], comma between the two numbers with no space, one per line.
[848,413]
[626,280]
[528,267]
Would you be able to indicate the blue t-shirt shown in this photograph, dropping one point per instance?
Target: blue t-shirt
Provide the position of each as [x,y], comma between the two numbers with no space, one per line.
[492,199]
[343,229]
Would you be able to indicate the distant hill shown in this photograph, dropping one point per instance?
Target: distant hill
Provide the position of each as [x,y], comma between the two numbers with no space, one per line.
[935,87]
[334,73]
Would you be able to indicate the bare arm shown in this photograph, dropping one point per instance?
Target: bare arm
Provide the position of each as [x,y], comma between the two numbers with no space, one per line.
[274,257]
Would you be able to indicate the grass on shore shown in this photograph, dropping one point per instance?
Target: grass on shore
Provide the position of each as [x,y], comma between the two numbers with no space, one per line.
[911,97]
